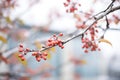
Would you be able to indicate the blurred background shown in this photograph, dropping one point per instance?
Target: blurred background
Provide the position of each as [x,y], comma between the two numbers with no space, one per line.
[32,22]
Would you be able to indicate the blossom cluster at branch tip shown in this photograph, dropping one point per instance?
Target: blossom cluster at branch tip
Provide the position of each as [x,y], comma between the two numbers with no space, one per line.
[38,54]
[54,40]
[88,44]
[72,6]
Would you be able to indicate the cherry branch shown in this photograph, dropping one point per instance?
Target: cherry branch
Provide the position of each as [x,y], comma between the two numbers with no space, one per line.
[97,18]
[55,41]
[105,13]
[94,16]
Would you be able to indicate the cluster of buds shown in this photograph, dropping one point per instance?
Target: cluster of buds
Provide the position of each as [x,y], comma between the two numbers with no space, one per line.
[39,55]
[87,44]
[72,6]
[21,56]
[93,32]
[54,40]
[23,52]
